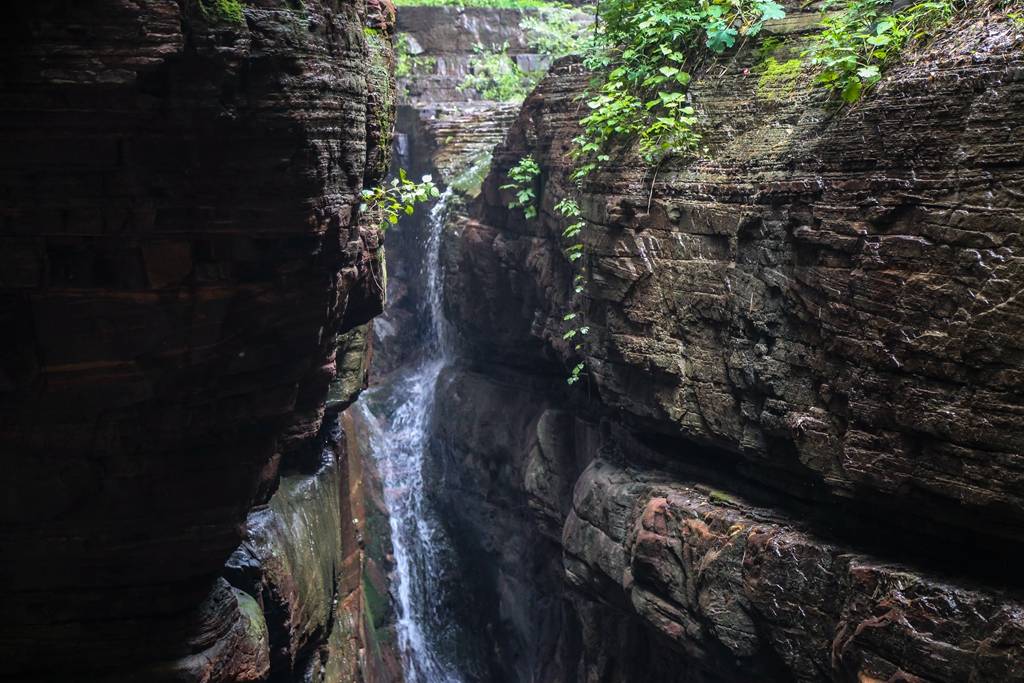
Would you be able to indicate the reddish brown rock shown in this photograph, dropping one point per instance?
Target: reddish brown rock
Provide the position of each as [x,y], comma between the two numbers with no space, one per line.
[180,249]
[805,354]
[739,592]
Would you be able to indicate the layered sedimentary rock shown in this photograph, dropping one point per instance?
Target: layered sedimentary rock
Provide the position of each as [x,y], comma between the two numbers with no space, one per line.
[181,259]
[493,438]
[801,404]
[449,131]
[445,130]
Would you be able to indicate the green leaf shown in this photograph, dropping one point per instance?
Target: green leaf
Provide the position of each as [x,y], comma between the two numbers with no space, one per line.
[720,39]
[770,10]
[851,92]
[869,72]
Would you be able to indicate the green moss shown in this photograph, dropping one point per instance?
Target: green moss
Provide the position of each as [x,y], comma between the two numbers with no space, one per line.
[768,47]
[377,533]
[722,497]
[778,79]
[469,181]
[257,624]
[378,77]
[377,639]
[376,604]
[222,11]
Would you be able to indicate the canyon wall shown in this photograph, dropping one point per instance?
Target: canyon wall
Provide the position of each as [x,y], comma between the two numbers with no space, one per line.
[797,450]
[185,291]
[443,130]
[502,587]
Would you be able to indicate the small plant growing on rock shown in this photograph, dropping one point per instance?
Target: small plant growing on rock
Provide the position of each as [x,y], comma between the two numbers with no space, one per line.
[1014,10]
[570,210]
[639,57]
[858,42]
[639,92]
[521,177]
[408,64]
[496,76]
[399,197]
[554,31]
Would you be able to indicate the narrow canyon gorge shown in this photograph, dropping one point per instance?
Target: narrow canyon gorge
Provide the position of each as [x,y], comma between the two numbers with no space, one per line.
[499,341]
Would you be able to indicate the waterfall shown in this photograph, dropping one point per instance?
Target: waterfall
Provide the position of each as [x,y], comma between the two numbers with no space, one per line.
[399,416]
[437,343]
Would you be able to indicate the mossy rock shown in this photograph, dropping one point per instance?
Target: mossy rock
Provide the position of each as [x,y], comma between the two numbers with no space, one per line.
[779,80]
[228,11]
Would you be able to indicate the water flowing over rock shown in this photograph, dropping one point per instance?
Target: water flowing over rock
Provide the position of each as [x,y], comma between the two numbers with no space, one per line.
[401,414]
[449,132]
[796,452]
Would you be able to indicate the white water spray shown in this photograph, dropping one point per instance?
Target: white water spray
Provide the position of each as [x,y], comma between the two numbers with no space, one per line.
[400,441]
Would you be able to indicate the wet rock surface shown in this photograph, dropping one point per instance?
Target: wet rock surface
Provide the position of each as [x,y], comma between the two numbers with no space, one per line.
[738,592]
[804,368]
[812,305]
[505,582]
[442,130]
[180,249]
[490,486]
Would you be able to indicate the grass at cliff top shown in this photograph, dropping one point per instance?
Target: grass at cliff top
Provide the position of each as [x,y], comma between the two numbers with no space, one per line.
[498,4]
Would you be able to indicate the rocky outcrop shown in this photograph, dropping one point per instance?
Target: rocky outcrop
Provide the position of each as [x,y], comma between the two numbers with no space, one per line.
[306,556]
[180,251]
[738,591]
[438,44]
[804,363]
[473,476]
[443,130]
[494,482]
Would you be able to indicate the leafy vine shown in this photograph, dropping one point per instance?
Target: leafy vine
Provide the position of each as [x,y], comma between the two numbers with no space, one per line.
[639,56]
[521,178]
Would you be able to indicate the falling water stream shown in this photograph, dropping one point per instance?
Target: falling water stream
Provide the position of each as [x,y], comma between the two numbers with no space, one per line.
[399,415]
